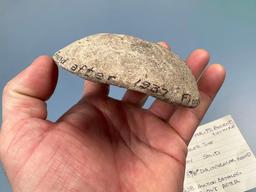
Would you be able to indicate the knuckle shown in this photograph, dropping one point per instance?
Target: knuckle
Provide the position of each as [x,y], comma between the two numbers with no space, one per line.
[6,89]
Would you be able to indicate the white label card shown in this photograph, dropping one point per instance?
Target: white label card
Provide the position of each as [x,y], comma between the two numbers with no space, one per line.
[219,159]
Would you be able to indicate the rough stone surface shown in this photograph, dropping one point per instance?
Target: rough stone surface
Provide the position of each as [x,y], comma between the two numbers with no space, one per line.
[130,62]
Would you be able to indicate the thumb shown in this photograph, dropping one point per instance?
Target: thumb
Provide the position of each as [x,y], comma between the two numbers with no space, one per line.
[24,96]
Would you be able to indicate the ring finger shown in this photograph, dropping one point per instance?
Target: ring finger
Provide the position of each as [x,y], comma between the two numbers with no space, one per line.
[196,61]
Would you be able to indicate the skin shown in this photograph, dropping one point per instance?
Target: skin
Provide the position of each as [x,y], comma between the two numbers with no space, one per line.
[100,144]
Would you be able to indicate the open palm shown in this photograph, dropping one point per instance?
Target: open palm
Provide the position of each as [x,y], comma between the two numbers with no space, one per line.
[100,144]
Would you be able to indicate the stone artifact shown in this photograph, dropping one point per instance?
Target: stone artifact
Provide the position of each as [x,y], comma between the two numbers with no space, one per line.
[132,63]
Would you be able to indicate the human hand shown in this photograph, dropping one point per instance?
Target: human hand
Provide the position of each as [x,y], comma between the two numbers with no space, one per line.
[100,144]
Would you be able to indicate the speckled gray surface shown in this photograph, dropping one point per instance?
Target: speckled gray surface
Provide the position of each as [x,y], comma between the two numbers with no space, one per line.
[133,63]
[226,29]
